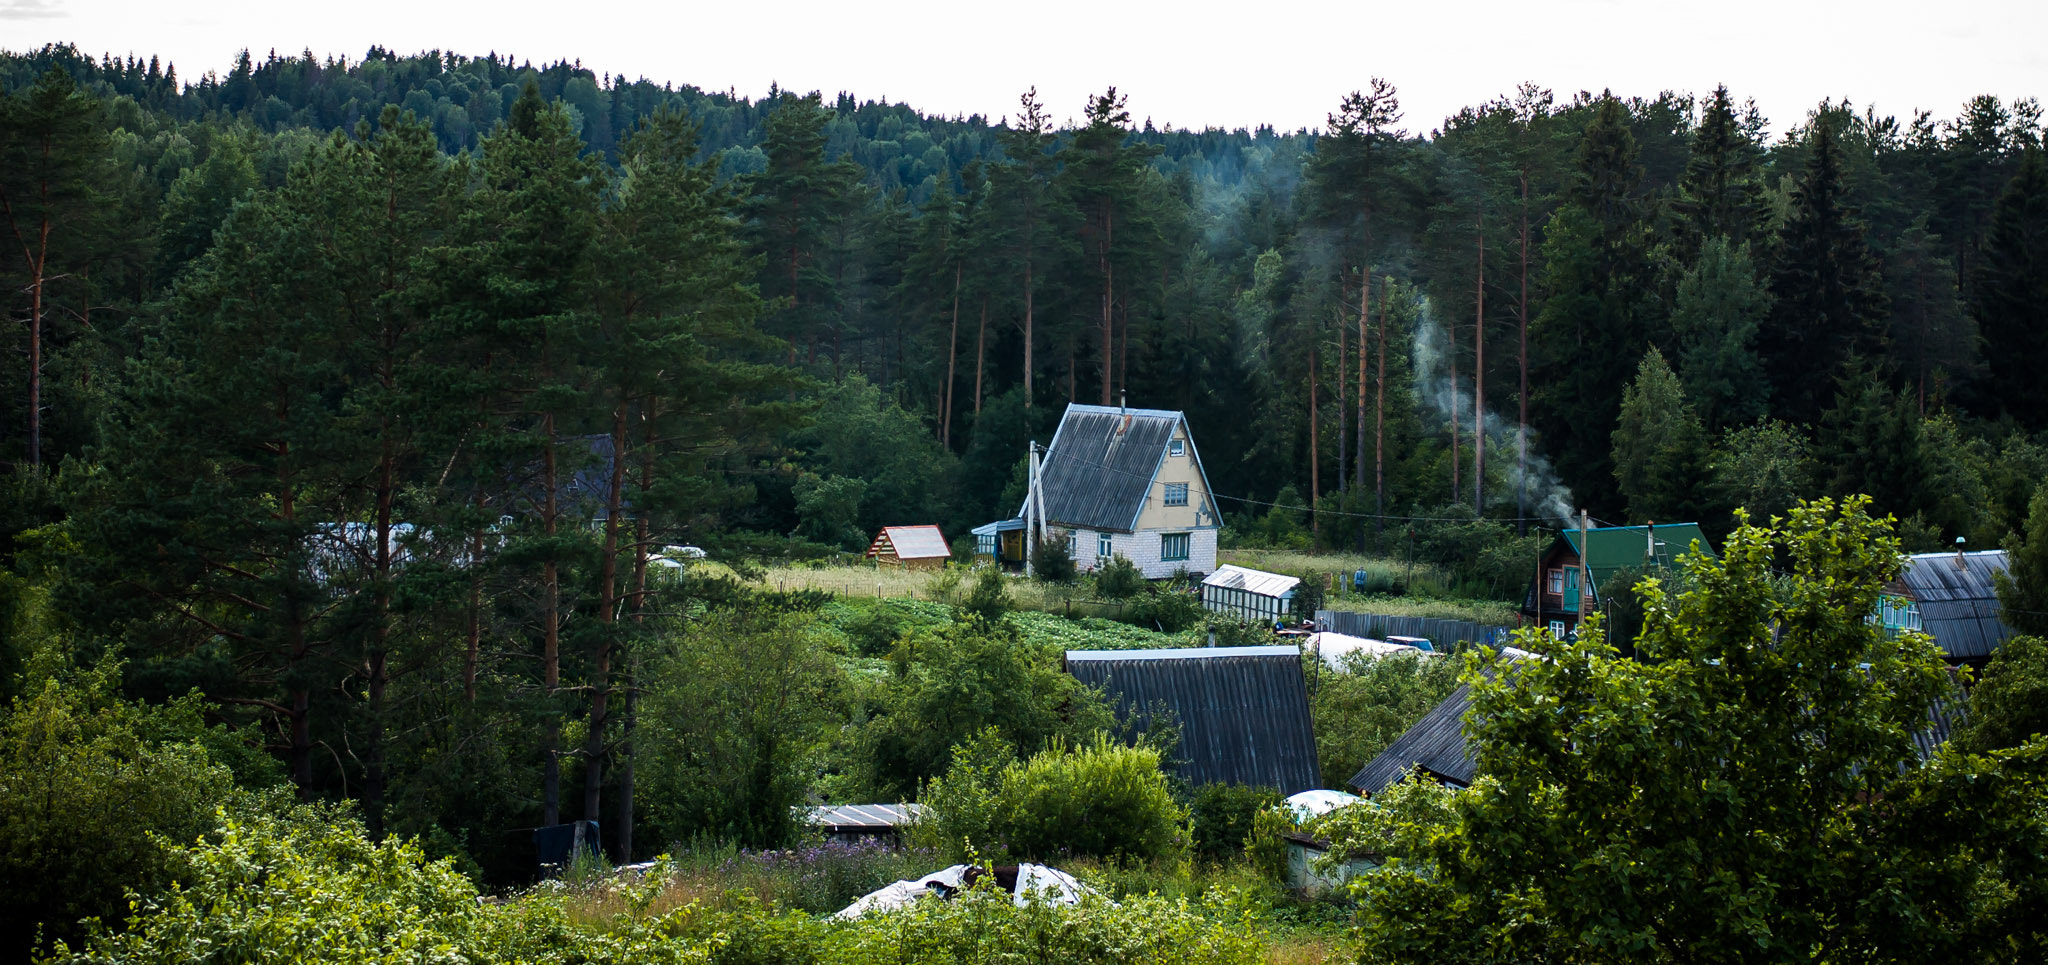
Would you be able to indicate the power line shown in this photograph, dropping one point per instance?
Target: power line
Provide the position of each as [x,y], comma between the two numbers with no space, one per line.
[1320,512]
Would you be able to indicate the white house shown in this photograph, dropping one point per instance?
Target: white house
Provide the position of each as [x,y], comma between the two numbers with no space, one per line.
[1128,482]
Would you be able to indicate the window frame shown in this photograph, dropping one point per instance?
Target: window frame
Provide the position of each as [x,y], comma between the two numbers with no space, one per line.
[1166,544]
[1105,547]
[1176,494]
[1177,447]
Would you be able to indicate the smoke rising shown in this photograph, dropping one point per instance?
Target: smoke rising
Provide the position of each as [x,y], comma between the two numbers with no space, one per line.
[1547,498]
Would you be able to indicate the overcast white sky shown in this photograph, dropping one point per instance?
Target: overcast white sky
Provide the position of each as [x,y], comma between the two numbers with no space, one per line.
[1191,64]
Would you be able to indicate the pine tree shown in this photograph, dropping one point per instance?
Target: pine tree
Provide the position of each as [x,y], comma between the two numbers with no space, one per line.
[1872,441]
[53,167]
[791,211]
[1829,300]
[1101,178]
[2012,296]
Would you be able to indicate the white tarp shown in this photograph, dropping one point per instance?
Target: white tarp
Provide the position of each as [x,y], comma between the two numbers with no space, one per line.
[1034,882]
[1334,647]
[1311,804]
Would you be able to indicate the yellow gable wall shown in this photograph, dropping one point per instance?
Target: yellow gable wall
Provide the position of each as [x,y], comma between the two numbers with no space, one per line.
[1157,515]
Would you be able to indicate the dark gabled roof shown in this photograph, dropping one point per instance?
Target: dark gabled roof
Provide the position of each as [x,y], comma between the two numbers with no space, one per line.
[1242,711]
[1098,469]
[1958,604]
[1436,743]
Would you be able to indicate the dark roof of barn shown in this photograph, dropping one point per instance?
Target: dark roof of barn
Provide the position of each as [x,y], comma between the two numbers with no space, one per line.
[1242,711]
[1958,604]
[1436,743]
[1097,471]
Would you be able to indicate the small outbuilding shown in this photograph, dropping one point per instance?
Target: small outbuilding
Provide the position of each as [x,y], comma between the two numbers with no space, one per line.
[853,823]
[1953,598]
[1000,542]
[1242,711]
[911,547]
[1250,594]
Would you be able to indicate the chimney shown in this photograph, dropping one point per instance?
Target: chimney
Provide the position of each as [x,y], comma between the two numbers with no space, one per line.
[1650,543]
[1123,406]
[1959,554]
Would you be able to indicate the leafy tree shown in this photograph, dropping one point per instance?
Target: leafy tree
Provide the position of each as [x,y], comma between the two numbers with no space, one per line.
[1766,710]
[737,707]
[2023,587]
[1829,302]
[2009,705]
[1714,322]
[953,681]
[1765,468]
[2011,294]
[1118,578]
[1364,708]
[1659,448]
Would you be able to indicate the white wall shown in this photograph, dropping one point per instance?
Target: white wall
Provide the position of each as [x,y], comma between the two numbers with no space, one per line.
[1142,549]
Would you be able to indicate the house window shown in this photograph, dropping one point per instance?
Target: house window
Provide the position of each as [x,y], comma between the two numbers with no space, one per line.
[1178,447]
[1173,546]
[1557,629]
[1103,548]
[1557,581]
[1176,494]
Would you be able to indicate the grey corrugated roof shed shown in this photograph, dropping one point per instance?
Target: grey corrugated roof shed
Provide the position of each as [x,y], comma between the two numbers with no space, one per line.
[1958,604]
[1242,711]
[1437,742]
[1097,471]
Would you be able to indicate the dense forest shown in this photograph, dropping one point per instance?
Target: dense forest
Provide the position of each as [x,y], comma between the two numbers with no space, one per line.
[349,406]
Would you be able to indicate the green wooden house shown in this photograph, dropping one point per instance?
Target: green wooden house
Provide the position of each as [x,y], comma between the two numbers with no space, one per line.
[1564,589]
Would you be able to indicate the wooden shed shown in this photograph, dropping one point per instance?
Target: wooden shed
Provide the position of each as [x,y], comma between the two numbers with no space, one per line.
[911,547]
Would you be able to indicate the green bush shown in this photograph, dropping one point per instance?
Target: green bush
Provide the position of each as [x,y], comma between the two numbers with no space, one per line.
[1221,817]
[1100,799]
[90,787]
[989,598]
[1167,610]
[1118,579]
[1052,561]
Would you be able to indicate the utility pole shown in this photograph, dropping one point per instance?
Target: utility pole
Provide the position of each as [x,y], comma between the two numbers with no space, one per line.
[1585,571]
[1031,513]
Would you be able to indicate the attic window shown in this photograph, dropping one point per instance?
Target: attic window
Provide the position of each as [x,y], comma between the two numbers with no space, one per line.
[1557,581]
[1176,494]
[1178,447]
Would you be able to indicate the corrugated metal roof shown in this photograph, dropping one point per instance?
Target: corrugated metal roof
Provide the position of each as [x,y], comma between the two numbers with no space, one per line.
[1958,603]
[1098,470]
[917,542]
[863,815]
[1242,711]
[1252,581]
[1436,744]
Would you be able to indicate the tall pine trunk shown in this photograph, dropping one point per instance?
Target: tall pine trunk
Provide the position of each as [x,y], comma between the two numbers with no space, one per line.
[1364,317]
[1522,363]
[1315,469]
[980,354]
[551,632]
[607,617]
[1343,398]
[1479,382]
[1108,301]
[1379,422]
[952,352]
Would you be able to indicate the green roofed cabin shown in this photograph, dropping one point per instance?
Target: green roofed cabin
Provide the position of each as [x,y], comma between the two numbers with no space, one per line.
[1559,594]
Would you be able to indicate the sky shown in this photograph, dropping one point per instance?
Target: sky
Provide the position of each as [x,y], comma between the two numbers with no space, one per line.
[1191,64]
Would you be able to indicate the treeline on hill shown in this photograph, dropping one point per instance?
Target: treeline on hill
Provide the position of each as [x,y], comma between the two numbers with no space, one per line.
[358,396]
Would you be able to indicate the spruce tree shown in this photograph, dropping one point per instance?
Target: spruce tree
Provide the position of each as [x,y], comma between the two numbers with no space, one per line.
[1659,448]
[1596,311]
[1830,303]
[1721,193]
[2012,296]
[1714,323]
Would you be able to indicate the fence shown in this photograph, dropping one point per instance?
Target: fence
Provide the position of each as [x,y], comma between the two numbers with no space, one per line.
[1437,630]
